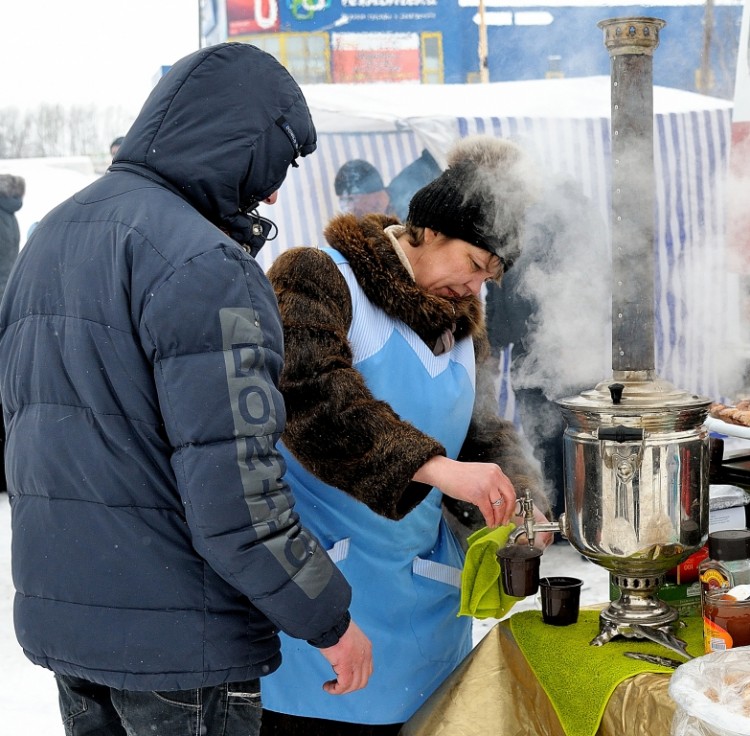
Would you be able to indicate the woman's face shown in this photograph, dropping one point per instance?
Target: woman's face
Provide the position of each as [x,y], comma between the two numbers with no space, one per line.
[450,267]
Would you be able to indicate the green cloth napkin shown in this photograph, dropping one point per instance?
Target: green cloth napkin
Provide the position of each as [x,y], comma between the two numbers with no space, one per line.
[481,594]
[579,678]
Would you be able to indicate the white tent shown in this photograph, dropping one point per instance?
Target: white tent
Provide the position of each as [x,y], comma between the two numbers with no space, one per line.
[567,121]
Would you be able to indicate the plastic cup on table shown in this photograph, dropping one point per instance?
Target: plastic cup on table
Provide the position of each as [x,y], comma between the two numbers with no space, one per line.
[561,600]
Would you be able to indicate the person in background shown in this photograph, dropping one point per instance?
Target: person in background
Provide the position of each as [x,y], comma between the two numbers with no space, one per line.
[156,547]
[360,188]
[114,147]
[555,316]
[385,364]
[12,191]
[409,180]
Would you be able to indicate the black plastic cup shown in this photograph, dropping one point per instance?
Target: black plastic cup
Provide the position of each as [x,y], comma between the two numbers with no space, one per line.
[561,600]
[519,568]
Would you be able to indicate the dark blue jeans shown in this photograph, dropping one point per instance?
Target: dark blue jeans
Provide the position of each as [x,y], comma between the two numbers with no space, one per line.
[233,709]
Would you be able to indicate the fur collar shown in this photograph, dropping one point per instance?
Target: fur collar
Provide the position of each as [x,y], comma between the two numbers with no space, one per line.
[389,286]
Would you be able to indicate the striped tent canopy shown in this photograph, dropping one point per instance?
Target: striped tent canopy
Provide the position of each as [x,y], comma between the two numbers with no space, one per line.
[567,121]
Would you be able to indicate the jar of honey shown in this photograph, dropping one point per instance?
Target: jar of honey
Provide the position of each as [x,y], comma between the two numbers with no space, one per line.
[726,619]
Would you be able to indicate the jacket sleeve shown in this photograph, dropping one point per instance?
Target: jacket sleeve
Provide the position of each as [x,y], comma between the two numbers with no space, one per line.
[214,337]
[335,427]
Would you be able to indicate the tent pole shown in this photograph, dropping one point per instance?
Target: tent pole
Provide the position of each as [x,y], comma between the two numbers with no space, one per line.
[484,71]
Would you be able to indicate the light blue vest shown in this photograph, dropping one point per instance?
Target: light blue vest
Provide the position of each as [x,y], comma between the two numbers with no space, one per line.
[405,574]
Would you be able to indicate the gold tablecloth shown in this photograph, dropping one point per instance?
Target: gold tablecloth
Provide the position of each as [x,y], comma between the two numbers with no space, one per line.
[494,692]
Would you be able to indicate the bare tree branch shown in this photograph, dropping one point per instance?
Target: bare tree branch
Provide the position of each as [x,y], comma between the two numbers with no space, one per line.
[56,130]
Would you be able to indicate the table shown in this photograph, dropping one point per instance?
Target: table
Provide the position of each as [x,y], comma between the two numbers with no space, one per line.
[494,692]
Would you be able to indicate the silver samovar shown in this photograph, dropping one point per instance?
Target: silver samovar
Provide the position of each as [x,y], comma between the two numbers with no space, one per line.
[635,448]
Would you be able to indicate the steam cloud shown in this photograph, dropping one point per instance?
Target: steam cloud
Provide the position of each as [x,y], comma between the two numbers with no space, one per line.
[563,279]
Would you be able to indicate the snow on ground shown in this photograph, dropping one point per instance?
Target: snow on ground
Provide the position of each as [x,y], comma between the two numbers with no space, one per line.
[28,695]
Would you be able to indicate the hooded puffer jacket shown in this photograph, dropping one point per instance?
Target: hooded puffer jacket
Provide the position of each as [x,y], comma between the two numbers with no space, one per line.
[155,543]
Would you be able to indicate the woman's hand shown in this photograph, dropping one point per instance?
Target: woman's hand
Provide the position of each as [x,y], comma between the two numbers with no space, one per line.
[483,484]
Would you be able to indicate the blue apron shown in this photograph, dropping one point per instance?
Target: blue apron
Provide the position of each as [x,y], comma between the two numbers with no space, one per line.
[405,575]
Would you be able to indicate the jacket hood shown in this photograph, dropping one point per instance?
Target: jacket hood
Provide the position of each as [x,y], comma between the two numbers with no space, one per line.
[222,127]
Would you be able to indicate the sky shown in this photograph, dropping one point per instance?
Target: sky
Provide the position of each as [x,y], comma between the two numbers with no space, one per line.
[90,52]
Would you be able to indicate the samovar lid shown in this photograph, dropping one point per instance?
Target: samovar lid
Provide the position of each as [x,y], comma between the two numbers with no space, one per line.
[635,392]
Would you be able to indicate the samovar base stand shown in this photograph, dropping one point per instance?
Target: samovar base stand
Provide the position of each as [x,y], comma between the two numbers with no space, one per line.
[639,614]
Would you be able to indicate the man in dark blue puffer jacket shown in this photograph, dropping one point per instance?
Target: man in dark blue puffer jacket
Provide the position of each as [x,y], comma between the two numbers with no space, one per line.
[156,551]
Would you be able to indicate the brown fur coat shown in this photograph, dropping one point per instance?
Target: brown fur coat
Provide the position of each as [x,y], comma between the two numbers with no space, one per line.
[335,427]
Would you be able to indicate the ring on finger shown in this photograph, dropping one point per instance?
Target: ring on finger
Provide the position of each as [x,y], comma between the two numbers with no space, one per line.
[499,502]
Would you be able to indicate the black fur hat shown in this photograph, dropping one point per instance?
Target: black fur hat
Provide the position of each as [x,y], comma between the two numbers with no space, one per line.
[480,198]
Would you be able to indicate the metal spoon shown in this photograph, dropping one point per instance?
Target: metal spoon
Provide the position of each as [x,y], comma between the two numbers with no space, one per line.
[653,659]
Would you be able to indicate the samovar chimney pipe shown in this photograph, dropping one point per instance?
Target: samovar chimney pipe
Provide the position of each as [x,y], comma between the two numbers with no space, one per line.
[631,43]
[635,447]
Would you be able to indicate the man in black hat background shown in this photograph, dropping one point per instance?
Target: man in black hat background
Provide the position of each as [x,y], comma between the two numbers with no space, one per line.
[360,189]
